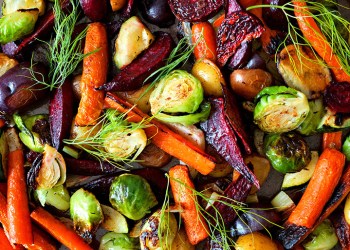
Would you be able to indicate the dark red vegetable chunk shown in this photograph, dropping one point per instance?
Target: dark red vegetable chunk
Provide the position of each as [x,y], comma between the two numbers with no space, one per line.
[157,12]
[61,113]
[194,10]
[238,27]
[337,97]
[274,17]
[95,10]
[89,167]
[133,75]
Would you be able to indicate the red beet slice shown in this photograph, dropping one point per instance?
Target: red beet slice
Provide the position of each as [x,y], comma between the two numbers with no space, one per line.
[337,97]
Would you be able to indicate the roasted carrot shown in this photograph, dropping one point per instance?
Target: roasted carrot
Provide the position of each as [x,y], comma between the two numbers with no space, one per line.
[42,241]
[17,200]
[318,41]
[203,35]
[332,140]
[181,186]
[94,75]
[164,138]
[327,174]
[4,242]
[218,21]
[58,230]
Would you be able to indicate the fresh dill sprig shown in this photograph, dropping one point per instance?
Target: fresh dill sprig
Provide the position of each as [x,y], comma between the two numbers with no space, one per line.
[111,126]
[64,50]
[327,20]
[218,232]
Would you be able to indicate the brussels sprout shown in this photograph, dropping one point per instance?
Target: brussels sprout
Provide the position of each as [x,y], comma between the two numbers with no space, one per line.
[322,238]
[33,140]
[280,109]
[86,212]
[178,92]
[164,224]
[310,125]
[287,152]
[116,241]
[346,148]
[57,197]
[132,196]
[188,119]
[10,6]
[17,24]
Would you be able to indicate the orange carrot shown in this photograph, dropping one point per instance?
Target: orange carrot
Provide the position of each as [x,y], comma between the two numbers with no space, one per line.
[164,138]
[17,200]
[332,140]
[4,242]
[181,185]
[94,75]
[203,35]
[327,173]
[58,230]
[218,21]
[3,188]
[318,41]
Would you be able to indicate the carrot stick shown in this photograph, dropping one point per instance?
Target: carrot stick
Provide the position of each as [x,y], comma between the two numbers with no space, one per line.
[20,226]
[327,173]
[332,140]
[218,21]
[58,230]
[181,185]
[4,242]
[42,241]
[94,75]
[318,41]
[203,35]
[166,139]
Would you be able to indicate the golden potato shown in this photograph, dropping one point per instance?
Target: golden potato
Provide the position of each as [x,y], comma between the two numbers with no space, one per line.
[181,241]
[210,76]
[261,168]
[6,63]
[255,241]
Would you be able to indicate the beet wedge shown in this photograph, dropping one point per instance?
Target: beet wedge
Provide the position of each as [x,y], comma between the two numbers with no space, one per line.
[221,133]
[194,11]
[132,77]
[342,228]
[237,27]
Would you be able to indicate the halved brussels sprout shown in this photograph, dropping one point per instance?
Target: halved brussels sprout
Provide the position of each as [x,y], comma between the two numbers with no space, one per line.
[31,139]
[125,144]
[17,24]
[178,92]
[159,231]
[10,6]
[310,125]
[332,120]
[117,241]
[287,152]
[57,197]
[280,109]
[52,171]
[113,220]
[346,148]
[6,63]
[86,213]
[322,238]
[132,196]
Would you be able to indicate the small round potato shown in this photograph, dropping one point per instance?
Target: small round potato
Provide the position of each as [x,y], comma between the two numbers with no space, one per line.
[139,97]
[117,4]
[255,241]
[210,76]
[248,82]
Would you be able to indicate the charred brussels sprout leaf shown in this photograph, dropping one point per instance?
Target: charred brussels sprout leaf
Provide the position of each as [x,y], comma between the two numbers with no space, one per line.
[86,212]
[310,125]
[287,152]
[17,24]
[116,241]
[322,238]
[178,92]
[132,196]
[280,109]
[57,197]
[10,6]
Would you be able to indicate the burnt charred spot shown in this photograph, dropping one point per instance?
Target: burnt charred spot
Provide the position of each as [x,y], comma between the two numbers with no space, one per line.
[34,172]
[42,127]
[152,233]
[291,235]
[342,228]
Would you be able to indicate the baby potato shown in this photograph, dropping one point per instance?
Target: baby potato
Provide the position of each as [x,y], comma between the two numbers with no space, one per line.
[6,63]
[261,168]
[117,4]
[249,82]
[210,76]
[255,241]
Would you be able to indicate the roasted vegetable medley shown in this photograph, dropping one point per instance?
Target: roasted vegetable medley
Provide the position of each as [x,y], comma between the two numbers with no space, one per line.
[175,124]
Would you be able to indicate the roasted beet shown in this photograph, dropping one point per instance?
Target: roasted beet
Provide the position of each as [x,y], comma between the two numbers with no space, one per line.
[275,18]
[195,11]
[241,57]
[133,75]
[89,167]
[114,27]
[157,12]
[18,90]
[61,113]
[152,156]
[256,62]
[337,97]
[95,10]
[238,27]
